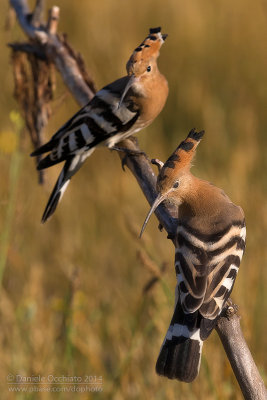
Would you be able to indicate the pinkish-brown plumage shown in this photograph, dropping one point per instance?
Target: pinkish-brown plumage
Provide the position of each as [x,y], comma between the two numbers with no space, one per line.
[209,244]
[117,111]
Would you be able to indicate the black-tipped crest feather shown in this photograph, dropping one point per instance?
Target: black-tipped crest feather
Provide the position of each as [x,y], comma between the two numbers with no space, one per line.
[193,134]
[155,30]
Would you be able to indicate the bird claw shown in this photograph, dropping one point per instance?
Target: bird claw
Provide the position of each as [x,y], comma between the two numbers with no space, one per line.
[160,227]
[230,309]
[158,163]
[128,152]
[171,236]
[123,162]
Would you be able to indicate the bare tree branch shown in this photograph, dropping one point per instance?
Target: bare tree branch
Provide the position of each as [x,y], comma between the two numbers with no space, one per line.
[24,17]
[37,14]
[236,348]
[79,82]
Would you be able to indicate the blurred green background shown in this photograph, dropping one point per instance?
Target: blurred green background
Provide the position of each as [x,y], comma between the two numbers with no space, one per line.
[72,298]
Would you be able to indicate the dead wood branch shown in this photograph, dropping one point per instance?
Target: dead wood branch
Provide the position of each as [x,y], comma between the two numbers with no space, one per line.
[238,353]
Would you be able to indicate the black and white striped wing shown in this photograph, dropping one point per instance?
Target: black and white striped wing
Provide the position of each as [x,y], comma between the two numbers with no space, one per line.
[100,121]
[206,268]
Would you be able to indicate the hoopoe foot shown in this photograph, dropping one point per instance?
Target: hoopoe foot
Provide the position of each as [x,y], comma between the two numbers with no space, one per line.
[158,163]
[171,236]
[160,227]
[128,152]
[230,309]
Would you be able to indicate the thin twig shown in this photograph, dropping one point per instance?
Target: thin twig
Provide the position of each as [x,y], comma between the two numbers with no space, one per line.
[28,48]
[37,14]
[53,18]
[24,17]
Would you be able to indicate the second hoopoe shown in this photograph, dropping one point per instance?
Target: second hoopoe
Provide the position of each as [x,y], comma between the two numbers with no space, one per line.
[116,112]
[209,245]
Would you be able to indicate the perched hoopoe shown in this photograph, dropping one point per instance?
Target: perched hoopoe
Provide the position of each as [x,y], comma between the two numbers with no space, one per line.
[119,110]
[209,244]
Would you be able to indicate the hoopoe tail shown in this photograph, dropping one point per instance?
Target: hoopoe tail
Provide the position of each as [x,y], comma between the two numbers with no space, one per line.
[71,166]
[180,354]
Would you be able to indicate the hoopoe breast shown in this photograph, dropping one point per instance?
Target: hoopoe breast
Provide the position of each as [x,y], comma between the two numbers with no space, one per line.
[151,101]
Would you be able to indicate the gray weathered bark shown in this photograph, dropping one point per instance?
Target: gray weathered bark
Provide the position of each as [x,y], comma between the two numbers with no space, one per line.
[239,355]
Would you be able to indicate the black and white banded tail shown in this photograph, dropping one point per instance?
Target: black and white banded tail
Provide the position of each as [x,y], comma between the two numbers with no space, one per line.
[180,353]
[71,166]
[206,268]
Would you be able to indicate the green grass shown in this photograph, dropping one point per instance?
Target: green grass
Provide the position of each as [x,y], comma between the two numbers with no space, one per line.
[72,299]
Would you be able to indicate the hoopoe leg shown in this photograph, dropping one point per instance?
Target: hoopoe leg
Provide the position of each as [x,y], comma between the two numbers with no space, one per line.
[128,152]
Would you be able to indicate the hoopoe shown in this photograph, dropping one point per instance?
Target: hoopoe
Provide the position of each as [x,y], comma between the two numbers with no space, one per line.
[116,112]
[209,244]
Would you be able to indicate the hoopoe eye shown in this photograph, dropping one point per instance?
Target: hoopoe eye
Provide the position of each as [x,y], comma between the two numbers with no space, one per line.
[176,184]
[148,68]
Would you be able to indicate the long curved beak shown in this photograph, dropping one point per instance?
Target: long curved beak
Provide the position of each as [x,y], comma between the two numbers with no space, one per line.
[156,203]
[130,83]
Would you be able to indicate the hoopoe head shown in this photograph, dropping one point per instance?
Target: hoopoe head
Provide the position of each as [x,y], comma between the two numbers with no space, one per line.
[173,180]
[143,62]
[145,55]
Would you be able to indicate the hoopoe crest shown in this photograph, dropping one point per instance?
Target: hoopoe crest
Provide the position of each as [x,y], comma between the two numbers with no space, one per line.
[116,112]
[209,245]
